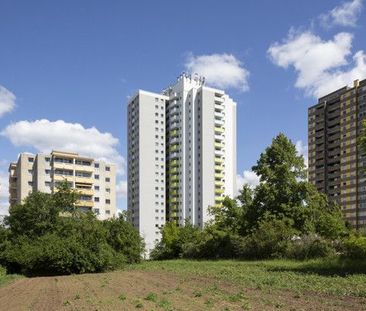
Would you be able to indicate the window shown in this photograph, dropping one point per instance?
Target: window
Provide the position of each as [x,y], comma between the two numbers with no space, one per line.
[96,211]
[96,199]
[107,179]
[107,201]
[47,172]
[30,183]
[31,160]
[30,171]
[96,176]
[96,165]
[48,159]
[48,184]
[108,190]
[107,168]
[96,188]
[108,212]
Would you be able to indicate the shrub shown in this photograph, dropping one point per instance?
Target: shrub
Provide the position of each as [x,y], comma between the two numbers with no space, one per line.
[309,246]
[355,247]
[270,240]
[45,237]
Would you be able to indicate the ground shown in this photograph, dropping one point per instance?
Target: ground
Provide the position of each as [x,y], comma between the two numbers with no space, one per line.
[194,285]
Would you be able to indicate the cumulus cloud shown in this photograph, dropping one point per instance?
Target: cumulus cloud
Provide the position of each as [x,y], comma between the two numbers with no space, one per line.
[321,66]
[247,178]
[7,101]
[302,149]
[121,189]
[45,136]
[220,70]
[346,14]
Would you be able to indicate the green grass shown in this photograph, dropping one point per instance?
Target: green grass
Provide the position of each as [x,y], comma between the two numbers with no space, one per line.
[5,278]
[331,276]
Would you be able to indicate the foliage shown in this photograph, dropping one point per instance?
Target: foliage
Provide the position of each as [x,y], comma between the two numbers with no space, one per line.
[262,221]
[48,235]
[355,247]
[310,246]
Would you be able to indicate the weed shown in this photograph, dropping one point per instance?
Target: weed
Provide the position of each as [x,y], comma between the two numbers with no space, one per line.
[151,297]
[122,297]
[197,294]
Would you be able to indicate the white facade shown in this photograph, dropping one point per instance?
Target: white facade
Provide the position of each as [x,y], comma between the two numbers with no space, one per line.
[95,180]
[200,154]
[147,165]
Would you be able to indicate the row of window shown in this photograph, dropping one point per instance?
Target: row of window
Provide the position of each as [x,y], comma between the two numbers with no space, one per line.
[71,161]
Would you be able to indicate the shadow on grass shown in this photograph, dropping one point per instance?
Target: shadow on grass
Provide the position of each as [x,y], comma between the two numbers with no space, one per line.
[327,267]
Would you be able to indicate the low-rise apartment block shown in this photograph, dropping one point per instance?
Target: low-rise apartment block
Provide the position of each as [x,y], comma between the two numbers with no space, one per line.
[95,180]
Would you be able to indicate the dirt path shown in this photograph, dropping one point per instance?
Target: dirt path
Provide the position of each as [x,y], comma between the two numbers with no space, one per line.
[143,290]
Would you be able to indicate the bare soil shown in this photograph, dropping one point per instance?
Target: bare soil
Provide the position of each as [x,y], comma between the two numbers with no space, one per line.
[145,290]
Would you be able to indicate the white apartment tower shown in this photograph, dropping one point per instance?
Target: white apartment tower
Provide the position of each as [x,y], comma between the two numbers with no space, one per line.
[95,180]
[181,155]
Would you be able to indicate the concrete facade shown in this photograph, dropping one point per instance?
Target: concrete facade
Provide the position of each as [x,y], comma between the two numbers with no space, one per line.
[337,165]
[196,166]
[95,180]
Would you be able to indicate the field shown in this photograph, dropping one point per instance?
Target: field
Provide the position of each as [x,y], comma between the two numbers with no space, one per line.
[196,285]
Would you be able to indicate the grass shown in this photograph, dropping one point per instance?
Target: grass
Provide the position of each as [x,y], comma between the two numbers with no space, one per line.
[331,276]
[5,278]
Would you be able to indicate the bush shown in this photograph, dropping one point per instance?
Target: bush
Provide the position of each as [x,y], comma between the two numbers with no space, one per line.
[355,247]
[309,246]
[270,240]
[45,237]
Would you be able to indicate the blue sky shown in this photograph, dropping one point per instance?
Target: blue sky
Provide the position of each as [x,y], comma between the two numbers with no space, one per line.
[68,67]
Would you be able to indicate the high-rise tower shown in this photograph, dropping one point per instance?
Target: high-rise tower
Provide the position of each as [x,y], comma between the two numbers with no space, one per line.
[181,155]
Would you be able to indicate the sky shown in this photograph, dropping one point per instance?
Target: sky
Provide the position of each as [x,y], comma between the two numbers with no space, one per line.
[68,67]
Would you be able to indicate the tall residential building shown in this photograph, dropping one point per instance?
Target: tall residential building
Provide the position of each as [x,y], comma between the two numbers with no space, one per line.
[337,165]
[95,180]
[181,155]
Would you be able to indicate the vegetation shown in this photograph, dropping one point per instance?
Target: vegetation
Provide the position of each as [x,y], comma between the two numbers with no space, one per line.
[47,234]
[327,276]
[283,217]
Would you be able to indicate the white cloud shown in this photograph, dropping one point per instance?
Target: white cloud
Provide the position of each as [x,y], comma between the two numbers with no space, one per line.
[248,177]
[220,70]
[45,136]
[7,101]
[346,14]
[121,189]
[322,66]
[302,149]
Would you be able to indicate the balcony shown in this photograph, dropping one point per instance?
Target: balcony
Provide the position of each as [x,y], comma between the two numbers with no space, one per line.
[83,180]
[219,191]
[219,122]
[173,133]
[219,152]
[85,204]
[173,148]
[219,160]
[64,166]
[219,130]
[85,191]
[173,185]
[219,175]
[173,163]
[219,168]
[219,145]
[63,177]
[219,115]
[219,199]
[219,137]
[219,183]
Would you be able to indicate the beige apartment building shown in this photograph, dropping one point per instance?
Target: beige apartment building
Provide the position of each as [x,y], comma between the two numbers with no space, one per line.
[95,180]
